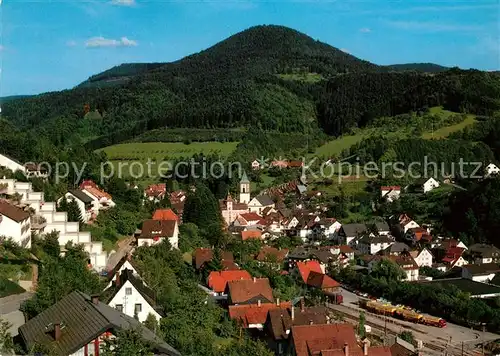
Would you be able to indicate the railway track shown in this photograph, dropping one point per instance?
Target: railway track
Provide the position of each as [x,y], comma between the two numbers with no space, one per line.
[439,347]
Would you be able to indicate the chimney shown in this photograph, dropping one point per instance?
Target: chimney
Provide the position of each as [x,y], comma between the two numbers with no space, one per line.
[254,279]
[95,298]
[278,302]
[302,304]
[310,322]
[346,349]
[366,345]
[258,303]
[293,313]
[57,331]
[117,278]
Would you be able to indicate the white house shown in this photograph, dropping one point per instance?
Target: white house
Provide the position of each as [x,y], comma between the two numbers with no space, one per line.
[422,257]
[483,273]
[124,263]
[129,295]
[390,193]
[11,164]
[15,223]
[101,199]
[406,263]
[371,244]
[491,169]
[255,164]
[154,231]
[259,203]
[84,202]
[429,185]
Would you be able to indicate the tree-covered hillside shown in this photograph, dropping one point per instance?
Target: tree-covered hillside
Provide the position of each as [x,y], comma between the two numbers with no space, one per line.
[270,77]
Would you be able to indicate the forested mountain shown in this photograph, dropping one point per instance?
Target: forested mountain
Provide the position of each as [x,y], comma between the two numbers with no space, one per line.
[418,67]
[271,77]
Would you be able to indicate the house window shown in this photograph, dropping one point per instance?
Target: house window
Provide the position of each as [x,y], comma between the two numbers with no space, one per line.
[128,291]
[137,308]
[119,307]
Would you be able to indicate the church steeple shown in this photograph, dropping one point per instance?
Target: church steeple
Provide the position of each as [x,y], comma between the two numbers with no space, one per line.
[244,189]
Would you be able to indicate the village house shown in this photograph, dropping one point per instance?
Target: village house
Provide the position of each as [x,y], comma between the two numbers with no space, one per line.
[125,263]
[129,295]
[327,227]
[405,262]
[491,169]
[34,170]
[255,164]
[483,273]
[202,256]
[390,193]
[259,203]
[251,234]
[273,255]
[249,219]
[217,280]
[279,323]
[165,214]
[337,339]
[84,202]
[78,325]
[395,249]
[253,316]
[101,199]
[371,244]
[484,253]
[313,275]
[403,223]
[418,234]
[155,192]
[452,256]
[250,291]
[382,228]
[155,231]
[427,185]
[15,223]
[231,209]
[11,164]
[423,257]
[349,233]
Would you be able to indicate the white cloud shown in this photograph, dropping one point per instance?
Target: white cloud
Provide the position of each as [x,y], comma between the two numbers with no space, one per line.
[345,50]
[2,48]
[430,26]
[123,2]
[365,30]
[97,42]
[71,43]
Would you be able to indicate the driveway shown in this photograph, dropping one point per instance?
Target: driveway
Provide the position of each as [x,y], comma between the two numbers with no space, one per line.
[9,310]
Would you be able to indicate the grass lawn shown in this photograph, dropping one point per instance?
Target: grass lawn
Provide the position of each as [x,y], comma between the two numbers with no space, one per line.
[141,151]
[335,147]
[444,132]
[302,77]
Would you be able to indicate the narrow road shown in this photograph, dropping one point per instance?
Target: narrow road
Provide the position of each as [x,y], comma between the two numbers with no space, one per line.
[9,310]
[124,247]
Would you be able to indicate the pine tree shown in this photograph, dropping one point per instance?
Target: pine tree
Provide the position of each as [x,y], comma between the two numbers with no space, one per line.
[361,325]
[201,208]
[74,213]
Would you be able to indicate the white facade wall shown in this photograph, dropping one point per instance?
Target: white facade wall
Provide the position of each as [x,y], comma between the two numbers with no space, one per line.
[128,297]
[10,164]
[424,258]
[20,232]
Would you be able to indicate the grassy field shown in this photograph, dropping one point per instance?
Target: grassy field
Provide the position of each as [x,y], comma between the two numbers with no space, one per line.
[161,150]
[335,147]
[444,132]
[302,77]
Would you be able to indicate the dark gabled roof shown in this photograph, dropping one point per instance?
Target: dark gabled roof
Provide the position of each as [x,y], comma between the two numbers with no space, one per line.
[118,266]
[280,321]
[81,322]
[382,226]
[396,247]
[486,251]
[146,292]
[353,229]
[265,200]
[160,228]
[13,212]
[81,196]
[482,269]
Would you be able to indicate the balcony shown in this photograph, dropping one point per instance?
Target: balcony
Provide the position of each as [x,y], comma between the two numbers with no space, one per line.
[38,222]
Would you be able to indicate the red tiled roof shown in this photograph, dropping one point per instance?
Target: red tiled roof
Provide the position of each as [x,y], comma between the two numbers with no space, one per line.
[242,291]
[156,190]
[98,193]
[390,187]
[251,234]
[217,281]
[312,339]
[165,214]
[13,212]
[306,267]
[322,281]
[272,253]
[251,216]
[295,164]
[247,314]
[87,183]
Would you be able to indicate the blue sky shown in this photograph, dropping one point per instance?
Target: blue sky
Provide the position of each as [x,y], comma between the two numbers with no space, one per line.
[54,45]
